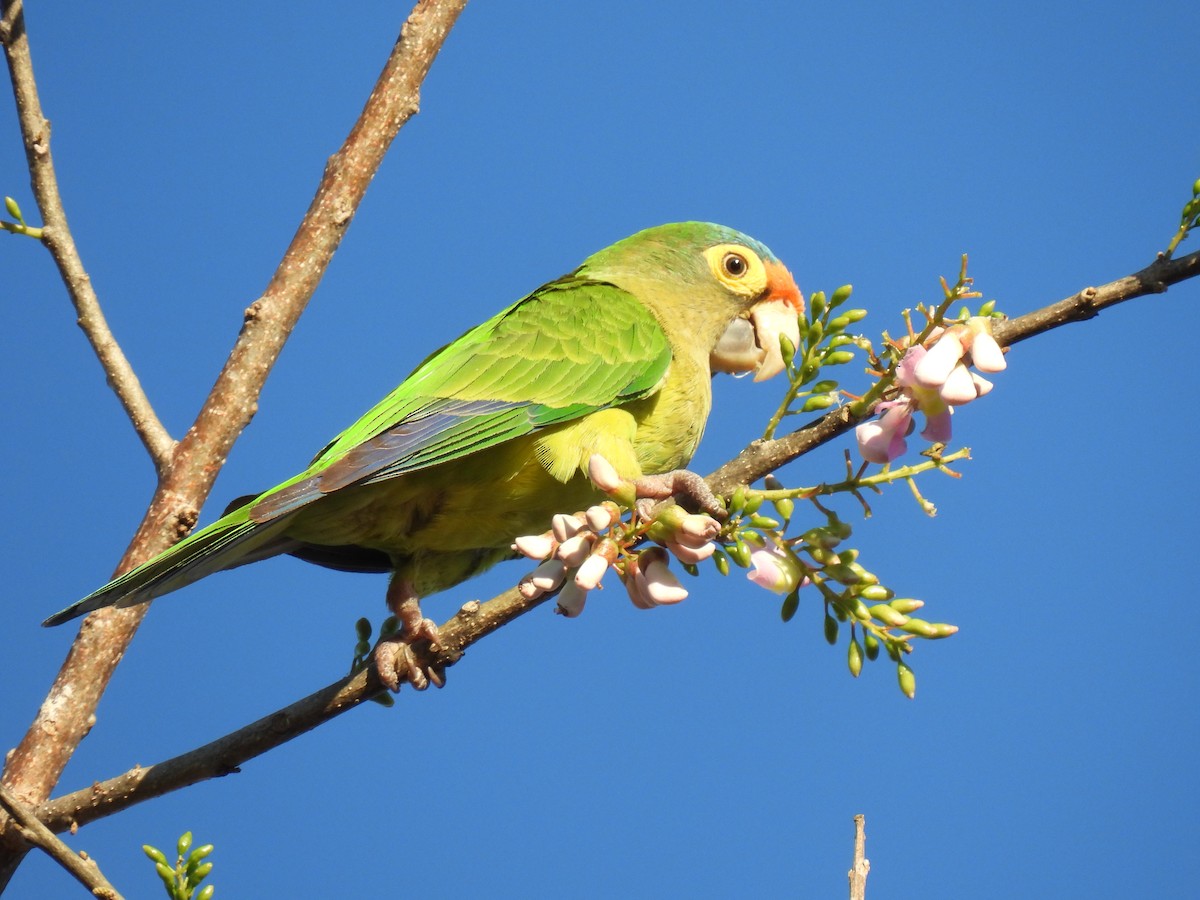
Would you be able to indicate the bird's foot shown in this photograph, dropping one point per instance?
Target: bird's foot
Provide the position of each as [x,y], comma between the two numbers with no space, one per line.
[395,658]
[683,484]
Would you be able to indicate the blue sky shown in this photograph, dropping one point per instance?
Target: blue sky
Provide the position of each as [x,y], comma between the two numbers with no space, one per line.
[700,750]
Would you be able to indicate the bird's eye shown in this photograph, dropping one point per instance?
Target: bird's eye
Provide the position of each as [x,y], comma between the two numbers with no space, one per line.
[735,265]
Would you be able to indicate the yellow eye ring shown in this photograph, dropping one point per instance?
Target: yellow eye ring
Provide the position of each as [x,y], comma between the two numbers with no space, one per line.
[738,268]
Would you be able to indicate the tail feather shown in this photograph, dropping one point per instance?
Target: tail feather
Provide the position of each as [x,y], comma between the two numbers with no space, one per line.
[224,544]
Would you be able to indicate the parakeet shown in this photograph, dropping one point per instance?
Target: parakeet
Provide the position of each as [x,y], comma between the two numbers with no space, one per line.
[492,434]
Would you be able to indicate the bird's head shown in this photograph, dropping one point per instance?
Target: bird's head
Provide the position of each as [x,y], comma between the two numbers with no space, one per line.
[710,286]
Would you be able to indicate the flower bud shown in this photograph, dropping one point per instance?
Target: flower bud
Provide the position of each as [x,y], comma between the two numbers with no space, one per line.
[854,657]
[831,629]
[591,572]
[599,517]
[564,526]
[571,600]
[535,546]
[888,616]
[906,605]
[908,681]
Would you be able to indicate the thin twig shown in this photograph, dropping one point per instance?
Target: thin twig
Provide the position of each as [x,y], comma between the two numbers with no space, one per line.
[862,866]
[68,711]
[85,870]
[224,754]
[56,235]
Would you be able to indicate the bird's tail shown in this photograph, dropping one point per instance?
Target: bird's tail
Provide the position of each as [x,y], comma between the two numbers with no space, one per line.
[230,541]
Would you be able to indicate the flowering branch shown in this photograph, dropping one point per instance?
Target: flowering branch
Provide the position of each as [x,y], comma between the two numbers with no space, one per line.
[224,755]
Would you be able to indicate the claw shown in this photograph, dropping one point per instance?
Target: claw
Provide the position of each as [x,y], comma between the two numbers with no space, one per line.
[685,484]
[394,656]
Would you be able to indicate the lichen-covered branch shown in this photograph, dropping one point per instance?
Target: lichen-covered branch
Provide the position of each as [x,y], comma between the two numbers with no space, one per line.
[66,715]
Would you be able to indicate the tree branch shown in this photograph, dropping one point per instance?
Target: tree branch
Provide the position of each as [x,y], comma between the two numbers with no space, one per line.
[68,711]
[85,870]
[56,235]
[476,621]
[862,866]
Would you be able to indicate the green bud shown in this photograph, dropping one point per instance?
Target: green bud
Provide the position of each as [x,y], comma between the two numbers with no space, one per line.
[13,210]
[362,629]
[825,387]
[808,371]
[784,508]
[941,630]
[908,681]
[721,561]
[816,331]
[831,628]
[199,854]
[841,295]
[864,577]
[872,645]
[839,323]
[691,568]
[740,554]
[859,610]
[823,555]
[155,854]
[838,357]
[842,574]
[753,501]
[206,893]
[738,500]
[790,604]
[854,657]
[854,315]
[202,871]
[840,528]
[390,626]
[362,648]
[754,539]
[763,522]
[167,874]
[919,627]
[787,350]
[1196,188]
[875,593]
[821,537]
[819,401]
[816,304]
[185,843]
[887,615]
[849,555]
[840,340]
[906,605]
[988,308]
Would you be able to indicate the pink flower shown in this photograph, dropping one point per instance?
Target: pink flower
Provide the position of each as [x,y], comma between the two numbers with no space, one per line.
[882,440]
[776,570]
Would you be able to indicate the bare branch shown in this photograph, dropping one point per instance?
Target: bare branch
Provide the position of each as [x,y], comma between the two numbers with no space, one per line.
[67,713]
[862,866]
[224,755]
[85,870]
[472,623]
[56,235]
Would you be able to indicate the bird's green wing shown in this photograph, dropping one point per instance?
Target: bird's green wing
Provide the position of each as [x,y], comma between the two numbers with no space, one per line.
[572,347]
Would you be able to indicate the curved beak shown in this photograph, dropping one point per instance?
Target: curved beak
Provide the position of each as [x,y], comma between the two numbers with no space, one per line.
[752,345]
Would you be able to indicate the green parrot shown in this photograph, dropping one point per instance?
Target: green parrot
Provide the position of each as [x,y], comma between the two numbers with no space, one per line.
[492,434]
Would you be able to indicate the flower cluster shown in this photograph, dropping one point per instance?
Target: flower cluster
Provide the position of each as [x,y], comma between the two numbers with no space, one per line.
[579,549]
[933,380]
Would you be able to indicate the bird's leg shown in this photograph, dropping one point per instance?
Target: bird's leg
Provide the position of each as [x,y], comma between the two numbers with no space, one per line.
[394,655]
[682,483]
